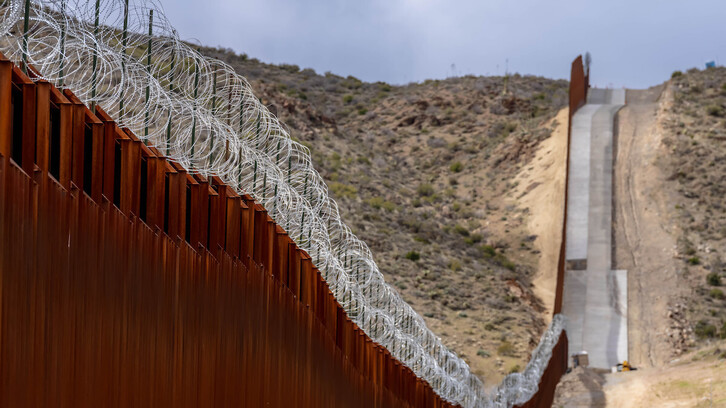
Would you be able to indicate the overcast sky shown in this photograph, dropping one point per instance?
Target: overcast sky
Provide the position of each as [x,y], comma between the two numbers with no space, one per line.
[634,43]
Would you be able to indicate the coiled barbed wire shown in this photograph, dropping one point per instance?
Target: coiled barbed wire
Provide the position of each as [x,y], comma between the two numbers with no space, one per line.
[124,56]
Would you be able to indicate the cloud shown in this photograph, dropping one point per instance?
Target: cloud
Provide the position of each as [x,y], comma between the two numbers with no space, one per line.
[634,43]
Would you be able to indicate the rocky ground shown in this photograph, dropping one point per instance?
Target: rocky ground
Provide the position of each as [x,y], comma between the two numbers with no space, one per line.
[428,174]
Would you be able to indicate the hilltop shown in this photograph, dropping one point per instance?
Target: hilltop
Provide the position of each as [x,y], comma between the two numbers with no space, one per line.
[440,179]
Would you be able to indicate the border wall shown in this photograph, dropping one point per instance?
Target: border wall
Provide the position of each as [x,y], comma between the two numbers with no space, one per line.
[127,281]
[579,84]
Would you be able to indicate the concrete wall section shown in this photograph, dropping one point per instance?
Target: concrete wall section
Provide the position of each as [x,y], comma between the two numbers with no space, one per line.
[579,183]
[595,298]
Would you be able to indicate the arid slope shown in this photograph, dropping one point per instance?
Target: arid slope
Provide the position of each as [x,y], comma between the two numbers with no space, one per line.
[441,179]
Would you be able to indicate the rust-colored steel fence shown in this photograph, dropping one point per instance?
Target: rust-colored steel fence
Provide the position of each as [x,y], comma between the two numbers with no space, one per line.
[125,281]
[579,84]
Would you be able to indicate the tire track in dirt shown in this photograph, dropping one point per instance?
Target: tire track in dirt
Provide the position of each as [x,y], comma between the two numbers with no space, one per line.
[642,243]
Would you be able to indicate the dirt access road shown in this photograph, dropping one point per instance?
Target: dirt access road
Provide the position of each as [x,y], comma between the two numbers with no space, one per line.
[644,235]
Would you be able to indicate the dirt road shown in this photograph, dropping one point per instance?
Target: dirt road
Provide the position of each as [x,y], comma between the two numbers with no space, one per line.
[644,242]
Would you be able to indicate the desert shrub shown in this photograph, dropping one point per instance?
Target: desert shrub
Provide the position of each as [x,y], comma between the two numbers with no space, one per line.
[506,349]
[290,68]
[504,262]
[705,330]
[376,202]
[352,82]
[421,239]
[335,161]
[716,110]
[413,256]
[515,369]
[473,239]
[379,202]
[343,190]
[425,189]
[676,74]
[413,223]
[455,265]
[716,294]
[713,279]
[362,111]
[694,260]
[723,332]
[385,87]
[482,353]
[456,167]
[389,206]
[488,251]
[347,98]
[461,230]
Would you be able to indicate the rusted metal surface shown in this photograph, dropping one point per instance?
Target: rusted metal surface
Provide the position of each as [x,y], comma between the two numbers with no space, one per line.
[557,366]
[106,300]
[578,97]
[6,107]
[551,376]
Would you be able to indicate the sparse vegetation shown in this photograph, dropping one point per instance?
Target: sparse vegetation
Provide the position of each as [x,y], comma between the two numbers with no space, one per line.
[413,256]
[343,190]
[506,349]
[393,171]
[716,110]
[380,202]
[704,330]
[695,130]
[425,189]
[473,239]
[455,265]
[461,230]
[488,251]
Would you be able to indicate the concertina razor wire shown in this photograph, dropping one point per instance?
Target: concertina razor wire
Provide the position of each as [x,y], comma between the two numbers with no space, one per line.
[124,55]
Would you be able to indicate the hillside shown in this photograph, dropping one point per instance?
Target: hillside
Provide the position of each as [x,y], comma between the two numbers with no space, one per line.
[428,175]
[694,123]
